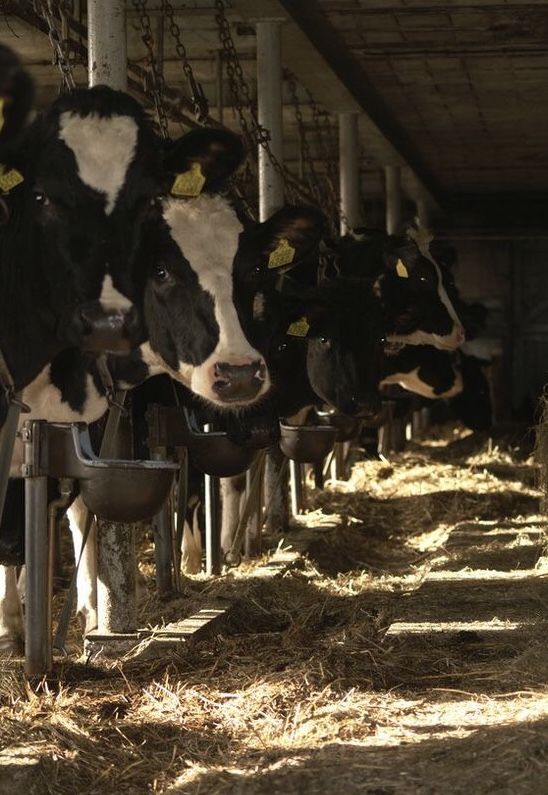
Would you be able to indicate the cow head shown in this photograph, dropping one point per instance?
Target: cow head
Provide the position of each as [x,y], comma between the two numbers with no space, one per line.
[91,170]
[410,285]
[345,344]
[192,320]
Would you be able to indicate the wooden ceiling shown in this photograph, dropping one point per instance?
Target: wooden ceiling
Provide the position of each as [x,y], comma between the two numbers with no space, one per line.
[455,91]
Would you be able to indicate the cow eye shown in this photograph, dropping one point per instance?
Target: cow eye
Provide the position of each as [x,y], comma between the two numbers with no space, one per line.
[423,278]
[41,198]
[324,340]
[282,346]
[161,273]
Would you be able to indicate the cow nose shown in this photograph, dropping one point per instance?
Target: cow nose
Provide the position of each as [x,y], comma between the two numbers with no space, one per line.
[108,331]
[238,382]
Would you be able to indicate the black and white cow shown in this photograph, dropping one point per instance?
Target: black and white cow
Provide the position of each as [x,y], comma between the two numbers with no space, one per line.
[81,181]
[409,282]
[459,379]
[193,327]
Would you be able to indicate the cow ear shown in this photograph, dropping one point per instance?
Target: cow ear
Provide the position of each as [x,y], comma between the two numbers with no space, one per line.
[401,255]
[203,159]
[290,236]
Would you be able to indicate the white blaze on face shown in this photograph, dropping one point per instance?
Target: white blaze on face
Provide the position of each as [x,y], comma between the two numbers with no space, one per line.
[103,147]
[447,342]
[207,231]
[111,299]
[413,383]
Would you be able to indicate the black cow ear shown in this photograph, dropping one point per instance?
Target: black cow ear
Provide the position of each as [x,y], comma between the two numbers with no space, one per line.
[401,255]
[203,159]
[290,236]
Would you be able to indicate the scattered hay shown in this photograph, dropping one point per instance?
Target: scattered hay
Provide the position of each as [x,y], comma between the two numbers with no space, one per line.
[400,650]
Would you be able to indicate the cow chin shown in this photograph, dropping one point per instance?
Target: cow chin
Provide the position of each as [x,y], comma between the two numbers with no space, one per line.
[230,382]
[443,342]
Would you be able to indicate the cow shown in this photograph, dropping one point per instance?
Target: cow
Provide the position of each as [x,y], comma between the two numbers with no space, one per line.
[409,282]
[459,379]
[79,184]
[191,317]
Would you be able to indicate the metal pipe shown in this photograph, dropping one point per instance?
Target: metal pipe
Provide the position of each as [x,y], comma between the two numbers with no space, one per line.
[297,489]
[38,659]
[163,541]
[212,525]
[393,198]
[269,101]
[107,45]
[349,171]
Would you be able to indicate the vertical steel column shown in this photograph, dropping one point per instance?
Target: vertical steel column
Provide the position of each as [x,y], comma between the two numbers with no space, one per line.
[213,525]
[270,111]
[163,546]
[107,46]
[116,562]
[349,171]
[393,198]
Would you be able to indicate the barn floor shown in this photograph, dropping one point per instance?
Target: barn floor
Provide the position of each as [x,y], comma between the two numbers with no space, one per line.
[399,646]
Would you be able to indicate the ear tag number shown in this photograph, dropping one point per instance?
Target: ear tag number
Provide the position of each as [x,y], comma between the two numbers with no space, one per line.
[283,254]
[299,328]
[401,270]
[9,179]
[190,183]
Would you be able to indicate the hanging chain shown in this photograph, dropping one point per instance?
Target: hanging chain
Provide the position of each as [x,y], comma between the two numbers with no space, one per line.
[44,9]
[197,95]
[254,133]
[155,84]
[306,154]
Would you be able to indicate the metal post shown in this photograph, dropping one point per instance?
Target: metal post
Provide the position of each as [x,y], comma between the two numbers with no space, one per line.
[163,542]
[269,100]
[349,171]
[393,199]
[297,487]
[107,45]
[116,561]
[38,581]
[213,525]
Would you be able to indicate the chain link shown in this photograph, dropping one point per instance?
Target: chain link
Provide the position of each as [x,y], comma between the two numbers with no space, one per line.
[197,95]
[59,45]
[155,84]
[254,133]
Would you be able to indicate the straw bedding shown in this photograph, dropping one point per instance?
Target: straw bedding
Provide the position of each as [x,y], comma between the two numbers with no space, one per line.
[399,649]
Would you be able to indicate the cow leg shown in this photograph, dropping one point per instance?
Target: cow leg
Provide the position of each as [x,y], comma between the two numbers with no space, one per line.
[276,498]
[86,580]
[232,490]
[12,632]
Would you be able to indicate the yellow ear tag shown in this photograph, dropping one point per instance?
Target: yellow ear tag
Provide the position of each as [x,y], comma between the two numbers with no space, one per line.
[283,254]
[401,270]
[190,183]
[9,179]
[299,328]
[2,120]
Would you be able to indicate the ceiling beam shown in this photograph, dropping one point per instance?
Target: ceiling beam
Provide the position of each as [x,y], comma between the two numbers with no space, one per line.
[309,17]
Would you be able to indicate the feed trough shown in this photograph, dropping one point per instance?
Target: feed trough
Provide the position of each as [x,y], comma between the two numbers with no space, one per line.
[307,444]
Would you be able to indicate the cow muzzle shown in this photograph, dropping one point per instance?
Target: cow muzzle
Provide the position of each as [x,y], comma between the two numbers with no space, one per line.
[103,331]
[239,383]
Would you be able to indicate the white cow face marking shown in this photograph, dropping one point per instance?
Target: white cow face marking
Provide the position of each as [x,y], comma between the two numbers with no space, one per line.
[103,147]
[111,299]
[206,230]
